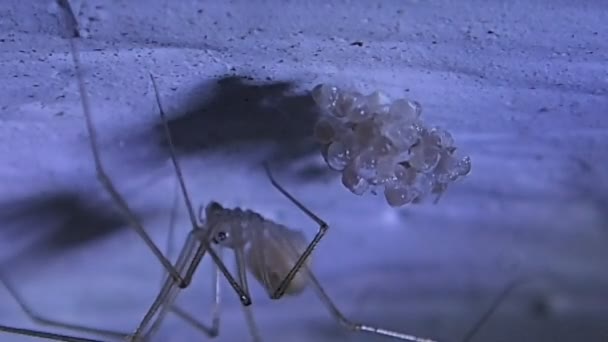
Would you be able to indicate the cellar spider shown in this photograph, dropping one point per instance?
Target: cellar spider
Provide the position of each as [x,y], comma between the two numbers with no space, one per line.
[275,255]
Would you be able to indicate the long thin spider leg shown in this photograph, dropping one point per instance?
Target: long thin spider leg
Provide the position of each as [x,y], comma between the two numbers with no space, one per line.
[71,25]
[176,166]
[239,259]
[36,318]
[341,318]
[169,306]
[211,331]
[168,290]
[333,309]
[44,335]
[205,237]
[69,19]
[496,303]
[323,227]
[214,329]
[172,220]
[170,246]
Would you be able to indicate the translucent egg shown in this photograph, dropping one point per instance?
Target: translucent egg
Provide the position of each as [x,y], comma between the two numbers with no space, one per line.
[366,131]
[422,185]
[405,176]
[402,137]
[325,96]
[351,143]
[366,163]
[397,196]
[385,169]
[382,146]
[347,103]
[378,103]
[353,181]
[357,109]
[359,114]
[428,139]
[450,169]
[444,169]
[444,137]
[463,167]
[337,155]
[405,111]
[424,158]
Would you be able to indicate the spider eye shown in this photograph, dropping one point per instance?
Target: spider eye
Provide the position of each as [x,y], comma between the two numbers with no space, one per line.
[221,236]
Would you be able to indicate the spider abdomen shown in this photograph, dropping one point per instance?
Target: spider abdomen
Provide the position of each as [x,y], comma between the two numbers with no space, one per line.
[273,253]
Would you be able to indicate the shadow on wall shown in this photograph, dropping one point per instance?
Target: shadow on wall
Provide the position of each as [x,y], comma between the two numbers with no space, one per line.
[242,112]
[238,112]
[55,223]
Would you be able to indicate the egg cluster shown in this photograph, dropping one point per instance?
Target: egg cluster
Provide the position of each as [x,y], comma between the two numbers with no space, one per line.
[382,144]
